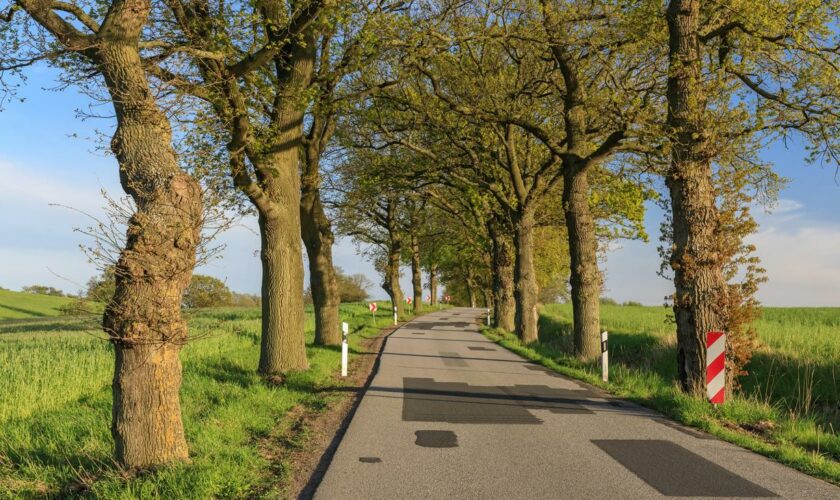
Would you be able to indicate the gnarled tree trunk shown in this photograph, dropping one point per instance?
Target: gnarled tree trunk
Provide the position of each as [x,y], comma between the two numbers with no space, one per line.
[504,306]
[526,289]
[144,317]
[416,274]
[698,273]
[585,278]
[318,238]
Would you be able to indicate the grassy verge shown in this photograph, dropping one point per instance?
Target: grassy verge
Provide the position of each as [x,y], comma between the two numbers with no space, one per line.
[787,409]
[55,406]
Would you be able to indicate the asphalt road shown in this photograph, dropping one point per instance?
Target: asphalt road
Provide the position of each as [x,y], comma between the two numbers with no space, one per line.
[452,415]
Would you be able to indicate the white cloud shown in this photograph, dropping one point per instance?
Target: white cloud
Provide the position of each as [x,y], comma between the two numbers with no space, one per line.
[66,270]
[38,188]
[803,264]
[786,206]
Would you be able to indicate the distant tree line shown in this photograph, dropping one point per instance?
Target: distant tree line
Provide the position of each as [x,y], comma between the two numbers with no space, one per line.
[43,290]
[203,291]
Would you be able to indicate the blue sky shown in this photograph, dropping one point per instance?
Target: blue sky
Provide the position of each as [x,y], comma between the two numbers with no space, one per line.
[48,156]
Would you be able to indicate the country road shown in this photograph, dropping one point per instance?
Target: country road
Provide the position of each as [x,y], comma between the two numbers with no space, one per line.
[452,415]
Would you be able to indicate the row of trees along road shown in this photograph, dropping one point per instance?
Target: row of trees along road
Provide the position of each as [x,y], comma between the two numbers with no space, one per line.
[496,145]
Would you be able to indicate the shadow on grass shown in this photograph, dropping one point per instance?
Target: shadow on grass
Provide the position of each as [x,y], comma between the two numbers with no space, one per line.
[226,372]
[21,310]
[50,324]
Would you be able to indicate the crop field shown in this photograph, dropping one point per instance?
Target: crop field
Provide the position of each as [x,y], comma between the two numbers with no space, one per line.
[788,406]
[55,407]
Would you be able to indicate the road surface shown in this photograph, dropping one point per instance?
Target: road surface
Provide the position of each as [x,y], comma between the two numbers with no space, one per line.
[452,415]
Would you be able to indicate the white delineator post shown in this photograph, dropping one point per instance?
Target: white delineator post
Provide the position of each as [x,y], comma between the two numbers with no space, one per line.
[605,358]
[395,315]
[345,329]
[716,367]
[488,317]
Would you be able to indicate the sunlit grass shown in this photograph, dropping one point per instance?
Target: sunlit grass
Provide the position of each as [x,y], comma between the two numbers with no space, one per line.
[19,305]
[55,407]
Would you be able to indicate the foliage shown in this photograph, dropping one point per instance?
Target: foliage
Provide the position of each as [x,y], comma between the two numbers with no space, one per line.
[352,287]
[551,262]
[101,288]
[206,291]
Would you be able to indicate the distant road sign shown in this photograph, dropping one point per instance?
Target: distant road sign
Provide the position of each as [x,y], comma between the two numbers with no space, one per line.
[373,307]
[447,298]
[408,300]
[716,366]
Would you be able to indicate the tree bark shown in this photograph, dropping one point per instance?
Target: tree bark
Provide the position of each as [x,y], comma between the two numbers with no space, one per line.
[585,278]
[318,238]
[283,345]
[504,306]
[698,270]
[391,283]
[487,293]
[143,319]
[526,290]
[416,274]
[433,284]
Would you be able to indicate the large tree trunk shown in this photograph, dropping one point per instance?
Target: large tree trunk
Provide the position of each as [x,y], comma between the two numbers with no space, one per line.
[391,283]
[318,238]
[698,274]
[416,274]
[144,317]
[433,284]
[526,290]
[585,278]
[283,345]
[504,306]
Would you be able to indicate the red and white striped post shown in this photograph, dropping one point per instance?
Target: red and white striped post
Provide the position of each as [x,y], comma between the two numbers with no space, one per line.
[716,367]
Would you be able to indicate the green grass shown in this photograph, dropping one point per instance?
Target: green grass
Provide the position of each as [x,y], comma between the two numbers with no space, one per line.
[19,305]
[55,405]
[788,407]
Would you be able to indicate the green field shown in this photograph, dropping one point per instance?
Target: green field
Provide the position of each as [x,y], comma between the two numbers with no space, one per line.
[788,406]
[55,408]
[19,305]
